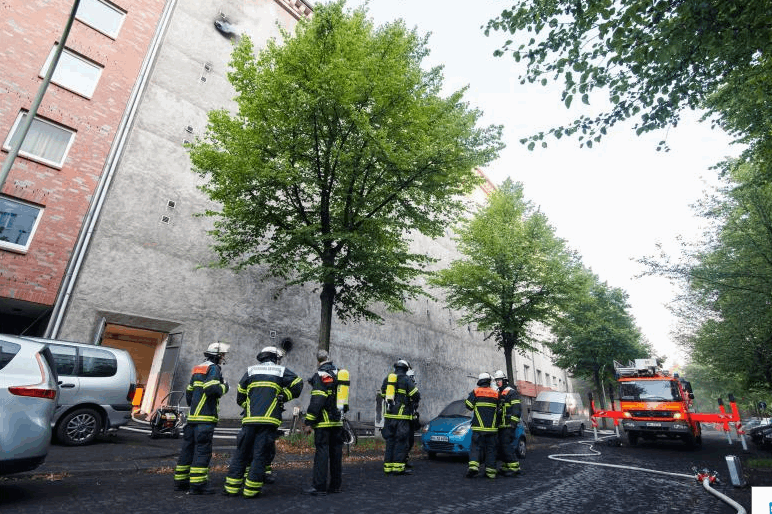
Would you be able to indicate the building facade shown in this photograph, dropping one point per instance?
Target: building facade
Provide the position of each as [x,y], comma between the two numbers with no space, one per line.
[140,281]
[48,191]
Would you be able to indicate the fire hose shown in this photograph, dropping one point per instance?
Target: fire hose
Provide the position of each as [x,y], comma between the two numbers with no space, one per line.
[705,477]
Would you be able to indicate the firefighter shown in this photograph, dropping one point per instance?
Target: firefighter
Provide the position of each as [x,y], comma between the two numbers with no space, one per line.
[483,401]
[262,390]
[325,418]
[509,417]
[401,397]
[203,396]
[269,477]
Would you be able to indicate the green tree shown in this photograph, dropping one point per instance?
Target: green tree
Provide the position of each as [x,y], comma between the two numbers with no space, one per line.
[594,330]
[341,146]
[651,57]
[727,282]
[515,272]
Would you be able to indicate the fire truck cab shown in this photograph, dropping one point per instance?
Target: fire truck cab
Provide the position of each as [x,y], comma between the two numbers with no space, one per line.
[655,404]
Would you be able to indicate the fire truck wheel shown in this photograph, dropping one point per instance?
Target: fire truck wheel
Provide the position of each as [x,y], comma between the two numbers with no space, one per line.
[632,438]
[564,432]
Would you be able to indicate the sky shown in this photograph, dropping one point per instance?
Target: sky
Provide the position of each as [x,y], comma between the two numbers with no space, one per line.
[613,203]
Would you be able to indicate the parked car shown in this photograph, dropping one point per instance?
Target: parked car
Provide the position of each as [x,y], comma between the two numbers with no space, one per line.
[97,385]
[28,394]
[450,432]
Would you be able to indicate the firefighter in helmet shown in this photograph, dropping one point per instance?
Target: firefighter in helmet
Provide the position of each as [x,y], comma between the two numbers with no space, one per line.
[401,397]
[262,389]
[509,417]
[325,418]
[483,401]
[203,396]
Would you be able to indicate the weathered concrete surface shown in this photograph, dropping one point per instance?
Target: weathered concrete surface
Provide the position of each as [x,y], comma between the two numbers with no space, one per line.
[143,273]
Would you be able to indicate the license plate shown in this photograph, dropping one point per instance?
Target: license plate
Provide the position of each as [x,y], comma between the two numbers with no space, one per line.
[442,438]
[653,424]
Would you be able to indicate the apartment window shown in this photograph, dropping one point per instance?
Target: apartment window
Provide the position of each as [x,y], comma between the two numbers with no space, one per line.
[74,72]
[102,16]
[538,377]
[18,222]
[525,372]
[46,141]
[547,379]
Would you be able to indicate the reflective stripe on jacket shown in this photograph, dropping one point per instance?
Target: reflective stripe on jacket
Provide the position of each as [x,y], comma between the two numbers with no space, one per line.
[484,404]
[203,393]
[259,389]
[406,397]
[510,406]
[322,410]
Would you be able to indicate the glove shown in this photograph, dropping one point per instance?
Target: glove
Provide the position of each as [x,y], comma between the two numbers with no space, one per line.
[281,398]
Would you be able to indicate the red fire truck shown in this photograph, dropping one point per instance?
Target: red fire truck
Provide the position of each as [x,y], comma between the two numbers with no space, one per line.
[655,404]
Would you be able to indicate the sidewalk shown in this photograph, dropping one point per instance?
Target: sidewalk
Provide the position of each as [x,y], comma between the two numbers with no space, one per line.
[130,449]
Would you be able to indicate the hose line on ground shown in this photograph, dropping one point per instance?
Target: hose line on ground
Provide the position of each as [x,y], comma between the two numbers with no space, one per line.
[705,479]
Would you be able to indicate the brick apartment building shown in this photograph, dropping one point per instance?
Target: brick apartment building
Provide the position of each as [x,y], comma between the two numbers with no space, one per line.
[49,189]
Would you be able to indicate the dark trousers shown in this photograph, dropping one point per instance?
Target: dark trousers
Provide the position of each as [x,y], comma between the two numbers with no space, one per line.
[396,433]
[329,454]
[506,449]
[483,450]
[254,449]
[195,454]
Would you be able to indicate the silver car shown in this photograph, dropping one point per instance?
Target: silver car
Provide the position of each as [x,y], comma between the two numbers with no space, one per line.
[97,385]
[28,394]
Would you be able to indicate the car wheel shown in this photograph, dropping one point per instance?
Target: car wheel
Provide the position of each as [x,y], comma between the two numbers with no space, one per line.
[632,438]
[521,449]
[432,455]
[79,427]
[564,432]
[581,429]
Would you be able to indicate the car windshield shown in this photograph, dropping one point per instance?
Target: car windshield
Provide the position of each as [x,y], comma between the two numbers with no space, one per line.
[649,390]
[548,407]
[455,409]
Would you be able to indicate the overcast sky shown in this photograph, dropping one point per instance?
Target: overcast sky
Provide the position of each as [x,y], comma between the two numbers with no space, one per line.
[612,203]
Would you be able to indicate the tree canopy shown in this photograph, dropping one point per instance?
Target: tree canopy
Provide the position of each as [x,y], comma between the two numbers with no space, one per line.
[652,58]
[594,330]
[514,274]
[340,147]
[727,281]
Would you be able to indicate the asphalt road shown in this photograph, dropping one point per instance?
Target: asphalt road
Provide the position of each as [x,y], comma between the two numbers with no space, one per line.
[99,480]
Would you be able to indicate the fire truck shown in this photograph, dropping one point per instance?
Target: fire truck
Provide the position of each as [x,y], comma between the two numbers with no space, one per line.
[655,404]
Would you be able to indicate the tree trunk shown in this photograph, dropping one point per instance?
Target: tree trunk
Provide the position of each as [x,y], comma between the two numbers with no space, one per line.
[508,341]
[327,298]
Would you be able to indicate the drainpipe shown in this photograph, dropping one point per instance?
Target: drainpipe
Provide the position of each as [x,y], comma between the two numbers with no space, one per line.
[89,224]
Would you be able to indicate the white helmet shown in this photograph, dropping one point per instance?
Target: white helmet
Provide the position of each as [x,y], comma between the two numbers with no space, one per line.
[402,363]
[484,377]
[410,372]
[218,348]
[270,351]
[499,375]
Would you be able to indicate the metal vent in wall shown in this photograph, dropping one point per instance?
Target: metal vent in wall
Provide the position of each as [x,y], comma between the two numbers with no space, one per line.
[171,204]
[166,219]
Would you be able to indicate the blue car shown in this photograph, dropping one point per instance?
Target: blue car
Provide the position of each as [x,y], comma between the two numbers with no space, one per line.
[450,432]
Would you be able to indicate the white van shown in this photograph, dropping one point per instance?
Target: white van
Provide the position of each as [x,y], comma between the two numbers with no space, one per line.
[559,413]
